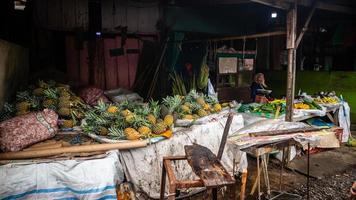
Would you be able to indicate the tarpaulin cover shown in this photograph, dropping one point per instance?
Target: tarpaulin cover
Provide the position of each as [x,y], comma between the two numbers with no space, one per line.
[66,179]
[143,166]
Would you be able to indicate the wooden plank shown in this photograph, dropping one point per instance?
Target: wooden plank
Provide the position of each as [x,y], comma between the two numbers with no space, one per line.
[283,132]
[207,166]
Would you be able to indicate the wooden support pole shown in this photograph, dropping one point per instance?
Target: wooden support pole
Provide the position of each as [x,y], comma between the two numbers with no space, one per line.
[306,24]
[291,37]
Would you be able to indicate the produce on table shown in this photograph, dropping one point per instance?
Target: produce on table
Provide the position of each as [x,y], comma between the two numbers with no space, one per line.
[270,107]
[126,120]
[312,104]
[301,105]
[50,95]
[191,106]
[327,100]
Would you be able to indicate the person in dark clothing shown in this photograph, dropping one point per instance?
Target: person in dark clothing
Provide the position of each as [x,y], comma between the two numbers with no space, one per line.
[258,83]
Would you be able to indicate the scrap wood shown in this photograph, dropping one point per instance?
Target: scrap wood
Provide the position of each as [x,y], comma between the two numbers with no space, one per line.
[73,149]
[284,132]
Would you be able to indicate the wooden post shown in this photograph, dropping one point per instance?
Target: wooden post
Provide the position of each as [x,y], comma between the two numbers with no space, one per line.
[291,37]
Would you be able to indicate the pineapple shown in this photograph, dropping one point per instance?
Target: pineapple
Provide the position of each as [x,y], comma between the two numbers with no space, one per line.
[151,118]
[172,103]
[201,101]
[68,124]
[63,98]
[185,109]
[168,120]
[225,104]
[131,134]
[144,130]
[159,128]
[206,107]
[64,112]
[23,106]
[38,91]
[64,104]
[50,93]
[126,112]
[188,117]
[112,109]
[217,107]
[195,116]
[42,84]
[130,118]
[103,131]
[48,103]
[202,113]
[21,112]
[187,104]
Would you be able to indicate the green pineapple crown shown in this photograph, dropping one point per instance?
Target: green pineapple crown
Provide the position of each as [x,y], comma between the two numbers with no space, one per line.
[116,132]
[51,93]
[172,103]
[155,108]
[23,96]
[210,99]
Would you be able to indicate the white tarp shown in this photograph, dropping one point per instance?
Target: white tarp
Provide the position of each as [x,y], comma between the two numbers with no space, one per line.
[344,120]
[143,167]
[64,179]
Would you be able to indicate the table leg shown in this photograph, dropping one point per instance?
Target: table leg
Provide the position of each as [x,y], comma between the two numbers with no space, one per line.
[308,168]
[215,193]
[258,178]
[163,182]
[243,185]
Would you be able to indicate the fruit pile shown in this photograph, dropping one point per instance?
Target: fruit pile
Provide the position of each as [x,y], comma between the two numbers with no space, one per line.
[327,100]
[270,107]
[132,121]
[51,95]
[301,105]
[127,120]
[192,106]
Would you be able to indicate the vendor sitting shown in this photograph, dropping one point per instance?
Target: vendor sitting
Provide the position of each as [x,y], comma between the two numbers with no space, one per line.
[256,87]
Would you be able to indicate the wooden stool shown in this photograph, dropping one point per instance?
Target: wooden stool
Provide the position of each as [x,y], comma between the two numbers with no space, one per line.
[205,165]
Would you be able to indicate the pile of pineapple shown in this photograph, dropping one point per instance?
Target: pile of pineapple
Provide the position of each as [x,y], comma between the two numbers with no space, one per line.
[50,95]
[127,121]
[192,106]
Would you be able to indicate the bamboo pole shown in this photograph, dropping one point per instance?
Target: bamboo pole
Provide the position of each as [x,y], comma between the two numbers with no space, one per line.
[73,149]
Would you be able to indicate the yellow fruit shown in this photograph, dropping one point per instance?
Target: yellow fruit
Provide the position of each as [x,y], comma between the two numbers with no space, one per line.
[22,106]
[159,128]
[67,124]
[144,130]
[217,107]
[168,120]
[21,112]
[196,116]
[206,107]
[64,104]
[48,102]
[103,131]
[201,101]
[167,134]
[188,104]
[131,134]
[151,118]
[64,112]
[112,109]
[185,109]
[38,91]
[130,118]
[202,113]
[125,112]
[189,117]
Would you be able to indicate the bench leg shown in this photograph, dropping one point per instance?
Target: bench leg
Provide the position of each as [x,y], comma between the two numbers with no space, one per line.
[215,193]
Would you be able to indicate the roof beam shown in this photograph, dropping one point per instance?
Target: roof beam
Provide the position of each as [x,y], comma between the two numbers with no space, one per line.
[286,5]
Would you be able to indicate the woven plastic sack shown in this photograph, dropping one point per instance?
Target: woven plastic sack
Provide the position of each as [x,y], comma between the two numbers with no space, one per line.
[22,131]
[92,95]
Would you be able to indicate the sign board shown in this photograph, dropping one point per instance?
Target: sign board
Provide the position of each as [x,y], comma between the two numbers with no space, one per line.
[227,65]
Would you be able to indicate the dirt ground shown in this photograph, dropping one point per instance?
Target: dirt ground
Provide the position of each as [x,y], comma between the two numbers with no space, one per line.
[332,174]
